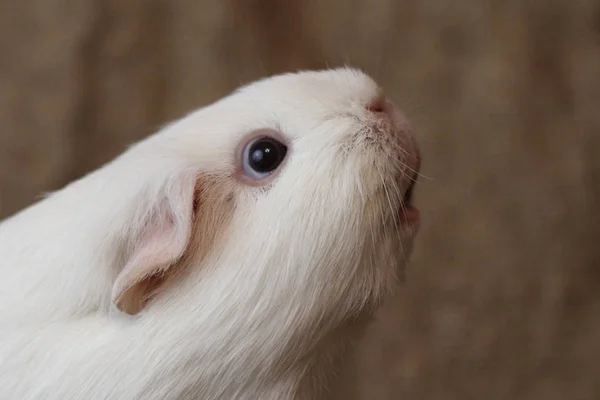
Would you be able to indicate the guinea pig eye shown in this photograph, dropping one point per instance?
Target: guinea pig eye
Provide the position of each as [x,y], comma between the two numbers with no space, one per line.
[262,156]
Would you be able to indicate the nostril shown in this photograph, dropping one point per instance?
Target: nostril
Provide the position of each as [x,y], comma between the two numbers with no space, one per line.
[377,105]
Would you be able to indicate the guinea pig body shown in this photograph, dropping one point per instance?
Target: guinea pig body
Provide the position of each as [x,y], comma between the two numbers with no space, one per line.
[232,255]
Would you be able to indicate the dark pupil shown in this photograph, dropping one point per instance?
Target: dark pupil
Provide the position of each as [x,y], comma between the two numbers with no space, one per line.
[264,156]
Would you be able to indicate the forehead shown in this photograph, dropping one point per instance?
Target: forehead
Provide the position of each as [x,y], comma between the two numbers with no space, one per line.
[316,91]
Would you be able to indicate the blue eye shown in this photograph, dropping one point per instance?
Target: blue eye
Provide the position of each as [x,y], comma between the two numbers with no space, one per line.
[262,156]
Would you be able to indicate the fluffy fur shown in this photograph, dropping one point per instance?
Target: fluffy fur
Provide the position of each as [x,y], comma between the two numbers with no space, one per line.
[163,275]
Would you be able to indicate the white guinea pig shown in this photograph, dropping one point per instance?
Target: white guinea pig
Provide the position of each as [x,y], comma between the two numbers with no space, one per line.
[231,255]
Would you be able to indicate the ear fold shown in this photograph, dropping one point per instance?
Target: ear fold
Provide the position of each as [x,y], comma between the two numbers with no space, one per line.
[159,244]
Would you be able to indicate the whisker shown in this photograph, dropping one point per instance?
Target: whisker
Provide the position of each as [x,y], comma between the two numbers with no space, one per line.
[405,167]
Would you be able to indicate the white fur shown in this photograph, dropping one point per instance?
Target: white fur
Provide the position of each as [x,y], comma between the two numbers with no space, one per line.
[260,310]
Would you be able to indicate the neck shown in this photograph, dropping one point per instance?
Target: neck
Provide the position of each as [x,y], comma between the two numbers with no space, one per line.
[245,361]
[244,336]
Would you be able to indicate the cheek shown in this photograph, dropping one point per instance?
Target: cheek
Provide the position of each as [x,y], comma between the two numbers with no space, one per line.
[214,208]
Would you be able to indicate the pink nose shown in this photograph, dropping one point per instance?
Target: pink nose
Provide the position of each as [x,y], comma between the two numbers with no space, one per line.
[384,108]
[379,105]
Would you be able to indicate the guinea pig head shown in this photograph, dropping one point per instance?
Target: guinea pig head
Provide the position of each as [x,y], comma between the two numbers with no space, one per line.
[292,195]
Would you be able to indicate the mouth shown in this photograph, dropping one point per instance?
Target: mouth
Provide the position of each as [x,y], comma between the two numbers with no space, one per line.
[408,195]
[409,214]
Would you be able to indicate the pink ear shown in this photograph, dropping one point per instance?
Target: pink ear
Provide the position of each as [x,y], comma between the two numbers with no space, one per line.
[160,244]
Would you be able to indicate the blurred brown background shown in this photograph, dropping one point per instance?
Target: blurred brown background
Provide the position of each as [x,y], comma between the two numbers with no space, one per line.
[502,299]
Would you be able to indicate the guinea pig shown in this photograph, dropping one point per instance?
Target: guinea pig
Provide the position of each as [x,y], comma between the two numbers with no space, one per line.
[233,254]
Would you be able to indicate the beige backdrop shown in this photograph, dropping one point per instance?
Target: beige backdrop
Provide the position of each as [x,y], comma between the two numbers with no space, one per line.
[503,296]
